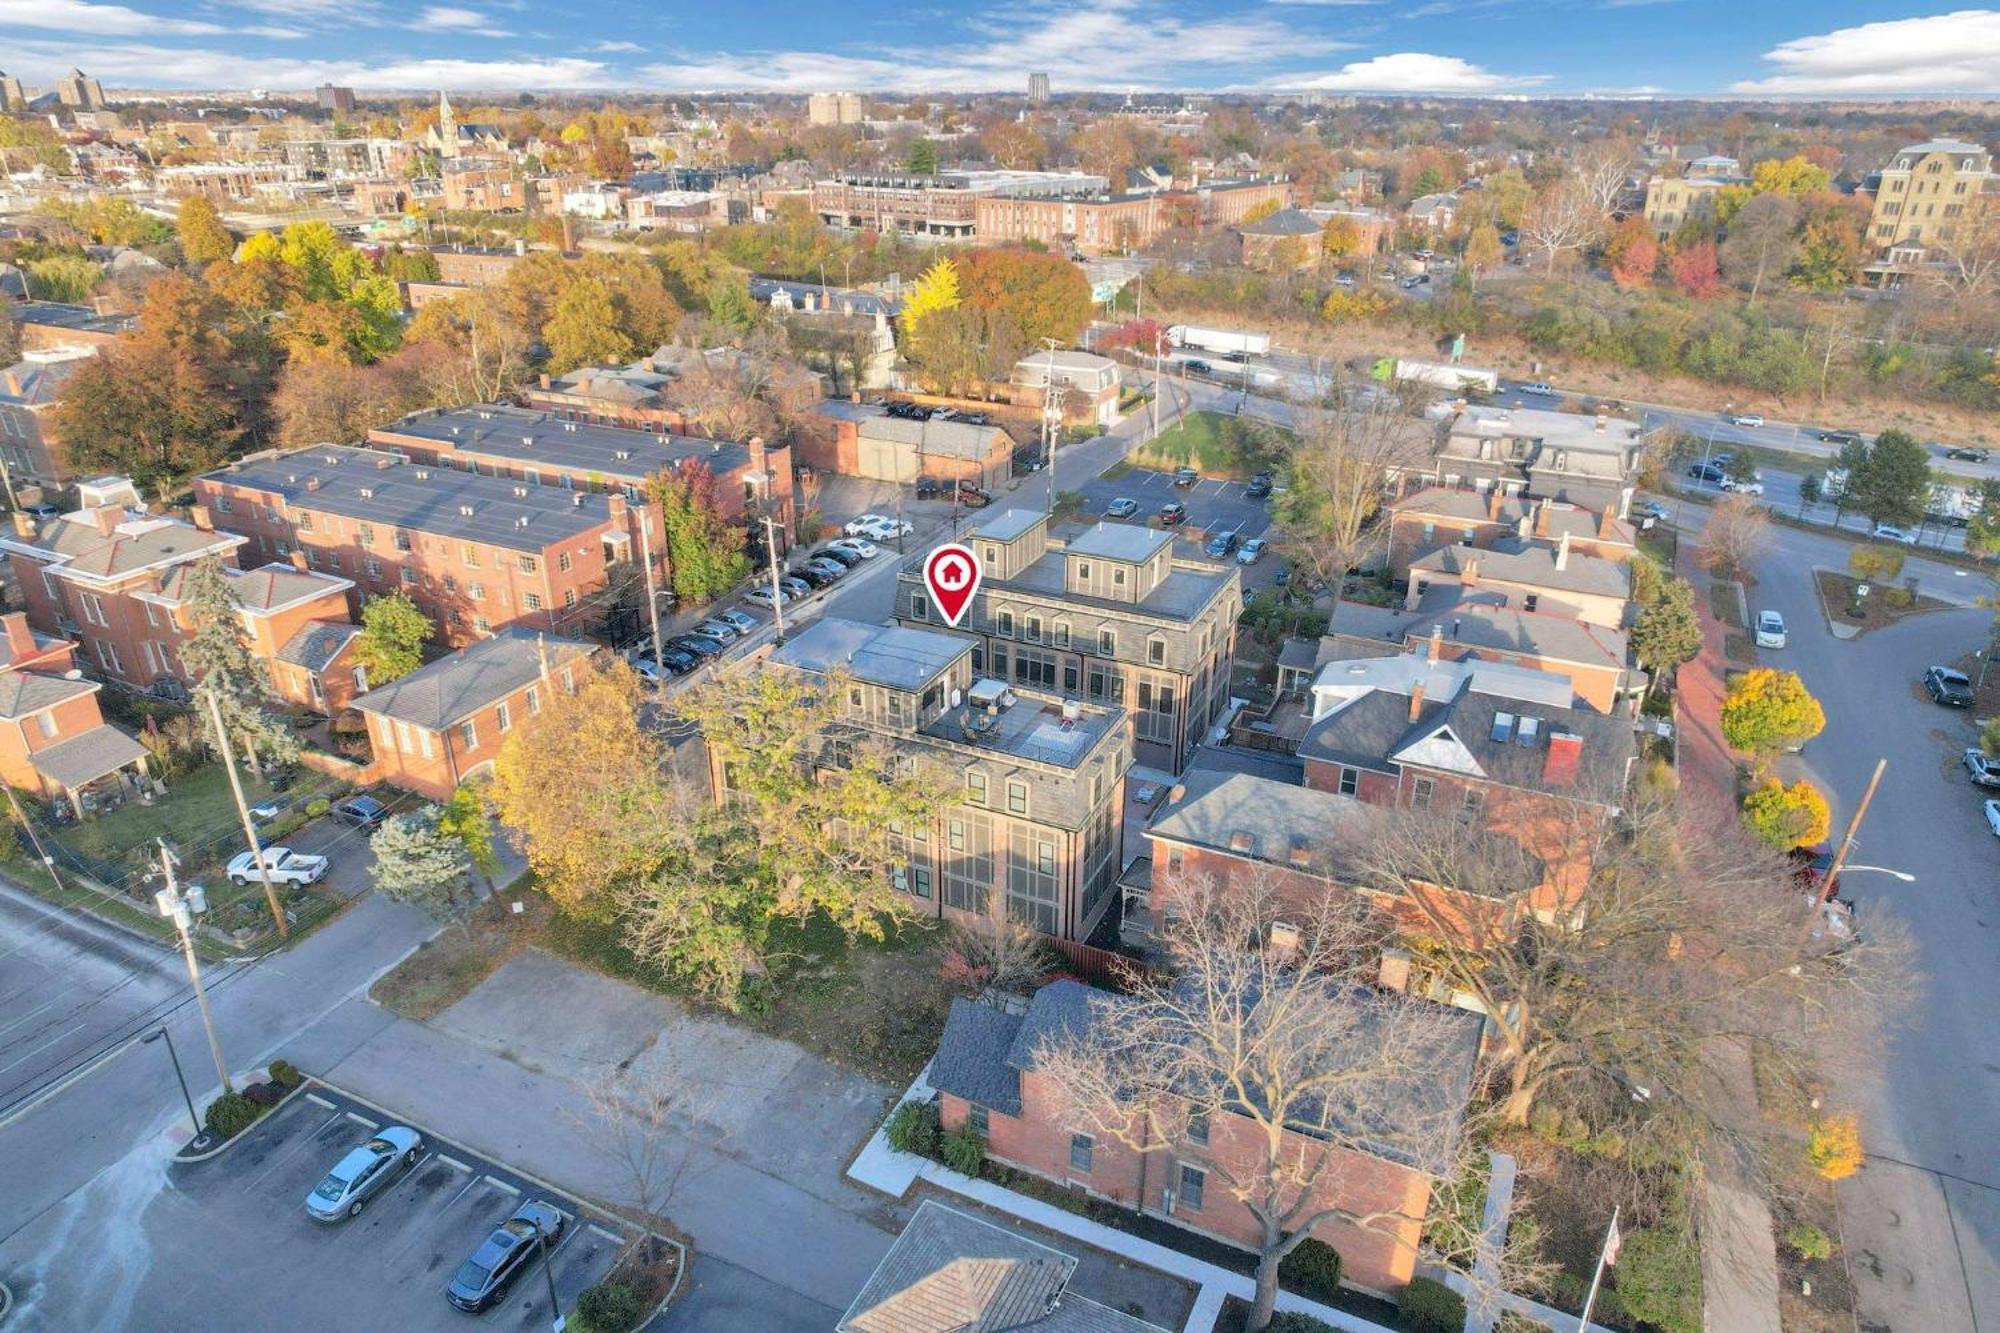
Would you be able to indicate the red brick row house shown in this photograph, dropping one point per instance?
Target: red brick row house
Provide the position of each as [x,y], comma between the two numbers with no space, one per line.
[445,722]
[987,1077]
[1436,517]
[54,741]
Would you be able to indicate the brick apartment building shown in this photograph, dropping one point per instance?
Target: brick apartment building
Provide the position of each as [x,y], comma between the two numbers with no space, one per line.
[1088,385]
[29,392]
[476,552]
[1110,614]
[51,326]
[1434,518]
[472,266]
[987,1076]
[1037,830]
[292,618]
[1595,658]
[54,740]
[862,440]
[445,722]
[1528,577]
[1091,225]
[629,396]
[1586,461]
[556,450]
[945,205]
[482,185]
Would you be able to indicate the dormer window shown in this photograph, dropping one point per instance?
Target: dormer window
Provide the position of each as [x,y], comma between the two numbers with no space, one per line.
[1156,651]
[1003,624]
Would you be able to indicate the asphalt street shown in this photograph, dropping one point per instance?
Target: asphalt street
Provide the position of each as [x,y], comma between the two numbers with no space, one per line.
[1922,1219]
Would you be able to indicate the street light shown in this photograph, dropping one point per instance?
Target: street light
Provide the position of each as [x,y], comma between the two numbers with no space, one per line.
[1903,875]
[155,1035]
[555,1308]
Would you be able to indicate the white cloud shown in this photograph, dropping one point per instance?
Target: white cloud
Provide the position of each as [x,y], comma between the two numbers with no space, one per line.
[1409,72]
[609,48]
[449,18]
[134,65]
[115,21]
[1944,53]
[1325,4]
[1106,44]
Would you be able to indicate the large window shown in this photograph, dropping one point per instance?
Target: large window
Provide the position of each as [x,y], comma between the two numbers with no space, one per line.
[1017,798]
[1194,1181]
[975,1116]
[1080,1152]
[1350,781]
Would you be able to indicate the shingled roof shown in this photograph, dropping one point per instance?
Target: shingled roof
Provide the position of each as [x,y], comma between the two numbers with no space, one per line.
[444,693]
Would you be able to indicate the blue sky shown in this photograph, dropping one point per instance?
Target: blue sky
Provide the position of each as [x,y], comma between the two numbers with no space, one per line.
[1788,47]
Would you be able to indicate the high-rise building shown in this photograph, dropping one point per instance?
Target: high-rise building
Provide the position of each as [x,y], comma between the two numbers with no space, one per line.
[836,109]
[1928,191]
[11,96]
[340,101]
[80,92]
[1038,88]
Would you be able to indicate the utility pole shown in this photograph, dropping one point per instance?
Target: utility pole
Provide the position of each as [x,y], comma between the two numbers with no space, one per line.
[777,592]
[21,818]
[181,909]
[652,596]
[1853,827]
[555,1306]
[243,813]
[1051,414]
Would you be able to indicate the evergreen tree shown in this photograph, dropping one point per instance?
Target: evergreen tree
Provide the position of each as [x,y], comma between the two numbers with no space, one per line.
[923,159]
[418,863]
[729,303]
[1893,482]
[217,654]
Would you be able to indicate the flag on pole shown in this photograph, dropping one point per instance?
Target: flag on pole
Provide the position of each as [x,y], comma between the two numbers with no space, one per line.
[1612,1240]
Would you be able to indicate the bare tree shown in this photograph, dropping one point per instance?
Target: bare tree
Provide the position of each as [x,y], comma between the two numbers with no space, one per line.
[1968,271]
[647,1126]
[1602,170]
[1268,1039]
[1003,959]
[1761,242]
[1685,933]
[1737,532]
[1561,219]
[1340,475]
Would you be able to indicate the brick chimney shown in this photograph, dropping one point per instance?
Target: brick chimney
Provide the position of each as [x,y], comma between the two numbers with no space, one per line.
[758,454]
[1607,527]
[1416,701]
[1562,552]
[1468,573]
[545,379]
[299,562]
[107,518]
[1565,754]
[1541,518]
[21,647]
[1433,646]
[1494,501]
[24,523]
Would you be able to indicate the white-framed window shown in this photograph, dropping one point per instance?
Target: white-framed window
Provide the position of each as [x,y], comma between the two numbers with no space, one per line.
[1107,642]
[405,741]
[46,720]
[468,731]
[505,717]
[531,601]
[975,787]
[107,657]
[534,700]
[1017,798]
[563,562]
[423,742]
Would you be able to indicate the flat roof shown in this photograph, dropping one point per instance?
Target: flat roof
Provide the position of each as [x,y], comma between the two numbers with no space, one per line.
[1008,525]
[1569,430]
[1186,590]
[891,655]
[1119,541]
[1039,727]
[545,439]
[374,486]
[57,314]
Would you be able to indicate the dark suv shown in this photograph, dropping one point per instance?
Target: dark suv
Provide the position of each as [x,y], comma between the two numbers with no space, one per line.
[1951,688]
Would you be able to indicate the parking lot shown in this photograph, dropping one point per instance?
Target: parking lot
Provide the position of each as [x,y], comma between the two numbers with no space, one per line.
[232,1246]
[1213,506]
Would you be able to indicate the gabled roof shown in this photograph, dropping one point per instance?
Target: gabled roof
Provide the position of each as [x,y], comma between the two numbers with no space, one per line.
[262,590]
[25,692]
[84,758]
[78,547]
[1470,623]
[1532,567]
[444,693]
[1284,222]
[1218,809]
[317,644]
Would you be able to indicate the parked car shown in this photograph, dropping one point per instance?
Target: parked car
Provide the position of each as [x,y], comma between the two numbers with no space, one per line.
[927,488]
[1750,419]
[700,645]
[808,575]
[827,566]
[647,669]
[860,546]
[1028,460]
[284,866]
[859,527]
[1185,477]
[1539,389]
[846,559]
[1751,485]
[740,621]
[1122,507]
[1968,454]
[363,812]
[1172,513]
[794,587]
[1652,509]
[1952,689]
[1416,280]
[1889,532]
[1708,472]
[1981,767]
[503,1256]
[362,1173]
[1770,630]
[716,628]
[1252,552]
[969,496]
[266,811]
[888,529]
[1197,367]
[761,595]
[1221,544]
[1259,487]
[1840,437]
[1993,817]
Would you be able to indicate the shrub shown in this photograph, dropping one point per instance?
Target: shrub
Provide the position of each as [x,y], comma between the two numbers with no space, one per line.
[1312,1270]
[608,1307]
[1809,1242]
[1659,1279]
[316,809]
[1292,1322]
[1834,1147]
[914,1128]
[266,1095]
[1429,1306]
[286,1074]
[963,1150]
[231,1114]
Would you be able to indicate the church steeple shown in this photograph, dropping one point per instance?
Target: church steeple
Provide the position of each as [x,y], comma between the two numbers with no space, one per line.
[447,127]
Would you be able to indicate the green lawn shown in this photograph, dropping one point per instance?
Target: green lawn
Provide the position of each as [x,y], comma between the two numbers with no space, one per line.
[197,816]
[1217,445]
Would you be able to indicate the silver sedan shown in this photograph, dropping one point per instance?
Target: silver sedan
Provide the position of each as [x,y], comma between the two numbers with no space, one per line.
[362,1173]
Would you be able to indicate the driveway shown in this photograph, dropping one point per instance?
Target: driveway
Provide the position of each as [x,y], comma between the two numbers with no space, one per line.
[1922,1219]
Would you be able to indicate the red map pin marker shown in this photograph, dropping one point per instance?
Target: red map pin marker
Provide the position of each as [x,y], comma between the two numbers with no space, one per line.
[952,575]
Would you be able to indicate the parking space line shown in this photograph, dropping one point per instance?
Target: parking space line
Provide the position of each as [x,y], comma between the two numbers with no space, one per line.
[471,1181]
[307,1141]
[321,1101]
[451,1161]
[511,1189]
[611,1236]
[362,1120]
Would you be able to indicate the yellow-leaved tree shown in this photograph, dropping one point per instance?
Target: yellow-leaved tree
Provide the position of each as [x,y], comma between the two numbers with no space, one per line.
[936,290]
